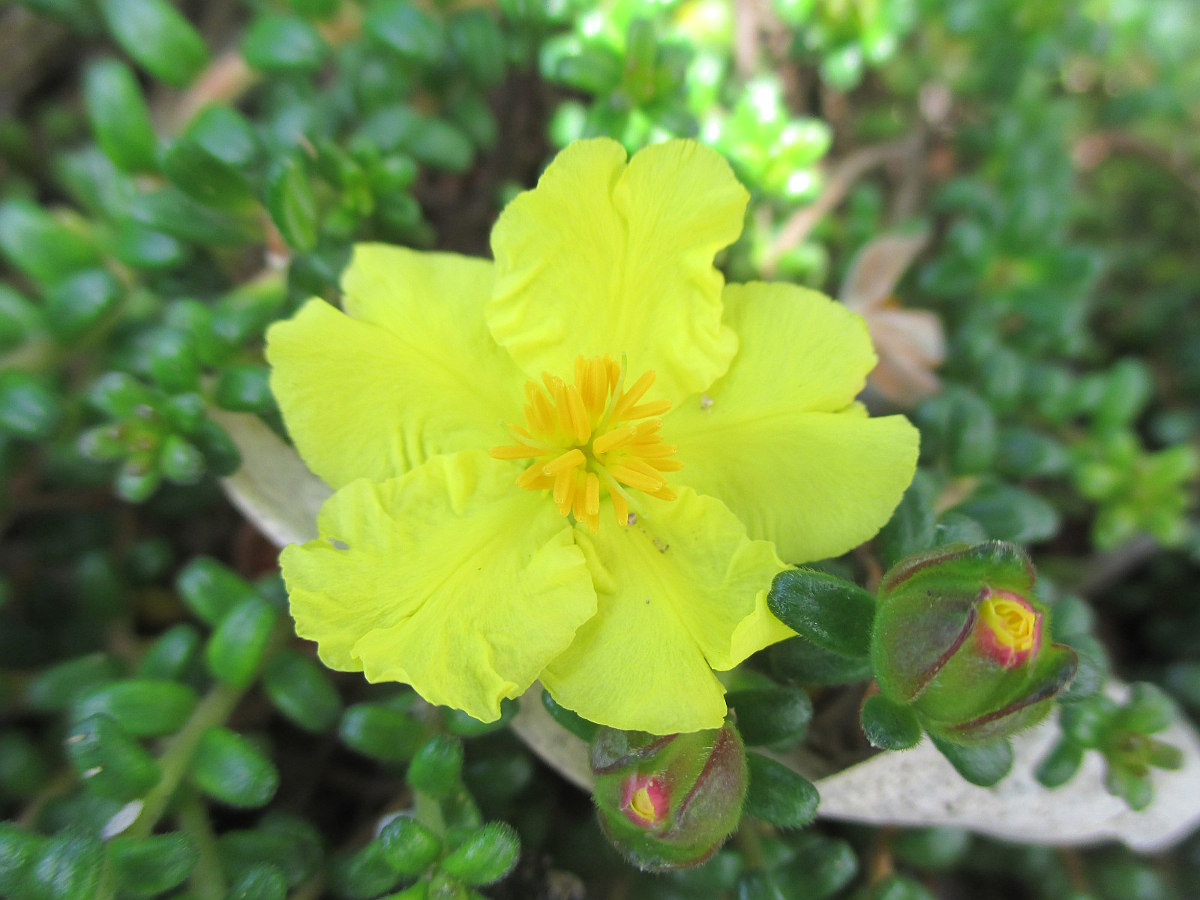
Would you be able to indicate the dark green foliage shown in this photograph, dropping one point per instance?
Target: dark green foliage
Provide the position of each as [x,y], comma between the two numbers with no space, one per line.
[232,770]
[770,715]
[778,795]
[889,725]
[829,611]
[178,176]
[981,764]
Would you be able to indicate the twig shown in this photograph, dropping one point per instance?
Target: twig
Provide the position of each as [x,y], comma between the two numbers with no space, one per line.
[1093,149]
[226,79]
[842,177]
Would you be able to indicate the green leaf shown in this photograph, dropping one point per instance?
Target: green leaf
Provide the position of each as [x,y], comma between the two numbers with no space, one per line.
[40,245]
[281,841]
[485,856]
[291,202]
[145,707]
[910,530]
[364,874]
[821,867]
[801,661]
[77,304]
[898,887]
[970,439]
[439,144]
[569,719]
[778,795]
[151,865]
[209,160]
[109,761]
[237,646]
[278,44]
[408,31]
[299,688]
[983,765]
[1011,513]
[408,846]
[829,611]
[938,849]
[261,882]
[771,715]
[1060,764]
[171,654]
[119,116]
[436,768]
[173,212]
[180,461]
[68,866]
[28,408]
[380,731]
[1128,387]
[1026,453]
[211,589]
[1130,784]
[147,249]
[232,770]
[19,850]
[478,43]
[889,725]
[154,33]
[20,319]
[1148,710]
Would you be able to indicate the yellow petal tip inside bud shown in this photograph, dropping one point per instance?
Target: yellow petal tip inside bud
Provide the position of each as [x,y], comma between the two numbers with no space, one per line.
[1010,629]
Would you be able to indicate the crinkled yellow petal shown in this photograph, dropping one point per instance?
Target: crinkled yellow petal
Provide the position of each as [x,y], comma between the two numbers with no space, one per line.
[681,592]
[449,578]
[608,258]
[776,438]
[410,373]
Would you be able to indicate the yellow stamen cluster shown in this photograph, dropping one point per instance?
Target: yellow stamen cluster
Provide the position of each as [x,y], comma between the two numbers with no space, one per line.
[592,437]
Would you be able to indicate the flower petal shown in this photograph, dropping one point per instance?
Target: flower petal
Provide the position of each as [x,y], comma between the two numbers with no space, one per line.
[451,579]
[410,373]
[775,439]
[604,258]
[681,592]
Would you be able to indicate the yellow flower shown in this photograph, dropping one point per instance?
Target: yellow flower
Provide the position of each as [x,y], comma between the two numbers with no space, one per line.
[582,462]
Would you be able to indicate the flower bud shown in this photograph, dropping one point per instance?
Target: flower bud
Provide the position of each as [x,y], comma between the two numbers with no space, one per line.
[669,802]
[959,640]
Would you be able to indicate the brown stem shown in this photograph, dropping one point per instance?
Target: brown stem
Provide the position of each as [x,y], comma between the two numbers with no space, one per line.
[880,865]
[1091,150]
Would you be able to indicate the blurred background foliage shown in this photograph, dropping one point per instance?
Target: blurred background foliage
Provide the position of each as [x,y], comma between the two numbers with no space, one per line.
[176,177]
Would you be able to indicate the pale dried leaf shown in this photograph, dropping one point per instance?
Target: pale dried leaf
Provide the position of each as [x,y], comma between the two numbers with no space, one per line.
[877,268]
[273,488]
[919,788]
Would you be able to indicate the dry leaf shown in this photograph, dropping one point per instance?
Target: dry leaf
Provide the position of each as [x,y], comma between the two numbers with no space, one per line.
[910,343]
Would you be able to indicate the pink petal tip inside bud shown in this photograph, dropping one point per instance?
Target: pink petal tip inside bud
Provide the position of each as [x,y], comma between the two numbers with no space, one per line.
[644,800]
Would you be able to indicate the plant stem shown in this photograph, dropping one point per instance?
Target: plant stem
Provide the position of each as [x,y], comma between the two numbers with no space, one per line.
[207,881]
[213,710]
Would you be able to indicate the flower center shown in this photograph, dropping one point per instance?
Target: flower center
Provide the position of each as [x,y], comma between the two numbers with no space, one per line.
[1011,627]
[590,438]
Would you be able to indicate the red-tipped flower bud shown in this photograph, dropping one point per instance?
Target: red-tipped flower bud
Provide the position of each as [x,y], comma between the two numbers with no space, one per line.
[958,639]
[668,802]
